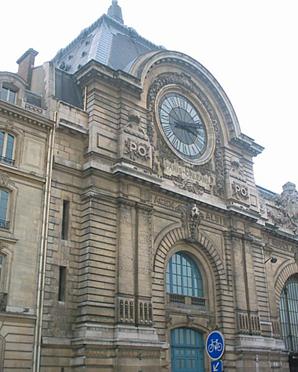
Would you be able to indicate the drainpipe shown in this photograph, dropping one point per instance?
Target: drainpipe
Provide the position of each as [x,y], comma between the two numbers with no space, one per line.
[43,250]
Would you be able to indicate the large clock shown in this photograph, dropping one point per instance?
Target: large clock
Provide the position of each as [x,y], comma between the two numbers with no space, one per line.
[182,126]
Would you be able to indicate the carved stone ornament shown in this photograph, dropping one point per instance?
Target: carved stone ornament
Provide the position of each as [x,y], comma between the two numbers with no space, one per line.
[188,178]
[236,170]
[5,181]
[191,217]
[136,149]
[240,191]
[286,212]
[161,151]
[190,186]
[134,142]
[134,127]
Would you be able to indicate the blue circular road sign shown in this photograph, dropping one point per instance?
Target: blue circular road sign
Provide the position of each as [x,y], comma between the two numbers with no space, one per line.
[215,345]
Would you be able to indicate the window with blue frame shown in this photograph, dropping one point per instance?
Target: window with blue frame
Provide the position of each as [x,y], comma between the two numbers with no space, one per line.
[187,350]
[7,143]
[4,197]
[183,276]
[288,312]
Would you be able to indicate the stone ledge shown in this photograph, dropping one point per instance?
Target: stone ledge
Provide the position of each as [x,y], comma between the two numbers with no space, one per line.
[258,343]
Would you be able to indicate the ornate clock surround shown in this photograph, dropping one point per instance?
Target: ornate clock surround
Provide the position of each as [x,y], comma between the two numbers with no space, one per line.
[189,96]
[187,87]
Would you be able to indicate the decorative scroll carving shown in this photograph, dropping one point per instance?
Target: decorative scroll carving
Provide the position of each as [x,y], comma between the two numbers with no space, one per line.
[162,152]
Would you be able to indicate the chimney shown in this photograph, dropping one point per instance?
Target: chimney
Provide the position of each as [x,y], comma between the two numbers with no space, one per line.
[26,64]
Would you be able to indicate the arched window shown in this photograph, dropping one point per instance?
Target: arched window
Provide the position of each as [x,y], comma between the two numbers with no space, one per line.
[288,312]
[7,142]
[183,276]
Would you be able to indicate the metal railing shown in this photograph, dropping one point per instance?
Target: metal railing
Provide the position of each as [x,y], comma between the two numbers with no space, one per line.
[4,224]
[187,300]
[4,159]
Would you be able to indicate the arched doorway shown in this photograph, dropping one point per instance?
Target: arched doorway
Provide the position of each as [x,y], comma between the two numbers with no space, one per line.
[187,350]
[288,312]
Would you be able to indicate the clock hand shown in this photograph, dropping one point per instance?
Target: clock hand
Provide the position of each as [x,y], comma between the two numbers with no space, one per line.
[189,127]
[185,124]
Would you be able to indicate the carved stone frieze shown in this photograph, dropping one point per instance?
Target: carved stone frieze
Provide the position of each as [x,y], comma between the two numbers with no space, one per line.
[189,179]
[190,186]
[161,152]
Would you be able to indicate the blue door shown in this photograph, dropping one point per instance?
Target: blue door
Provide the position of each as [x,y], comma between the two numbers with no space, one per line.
[187,350]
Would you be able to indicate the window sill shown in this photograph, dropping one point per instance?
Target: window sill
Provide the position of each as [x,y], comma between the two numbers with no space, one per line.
[7,236]
[187,300]
[187,303]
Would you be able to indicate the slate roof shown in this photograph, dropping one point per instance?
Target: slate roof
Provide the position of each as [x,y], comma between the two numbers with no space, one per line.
[107,41]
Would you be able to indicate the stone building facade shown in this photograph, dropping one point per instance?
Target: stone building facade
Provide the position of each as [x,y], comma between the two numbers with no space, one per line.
[131,225]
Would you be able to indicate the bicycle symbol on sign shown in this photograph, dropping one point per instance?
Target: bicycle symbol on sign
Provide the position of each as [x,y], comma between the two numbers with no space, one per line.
[214,345]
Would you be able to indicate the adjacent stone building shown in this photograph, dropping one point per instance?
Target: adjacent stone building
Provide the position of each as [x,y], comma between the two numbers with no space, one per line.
[130,222]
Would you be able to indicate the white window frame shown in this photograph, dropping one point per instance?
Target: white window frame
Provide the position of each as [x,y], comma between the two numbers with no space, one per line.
[3,155]
[8,94]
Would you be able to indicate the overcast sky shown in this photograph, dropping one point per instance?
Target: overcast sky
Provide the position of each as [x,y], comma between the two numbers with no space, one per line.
[250,46]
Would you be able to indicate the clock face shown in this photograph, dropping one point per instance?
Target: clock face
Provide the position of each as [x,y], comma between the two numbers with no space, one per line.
[182,126]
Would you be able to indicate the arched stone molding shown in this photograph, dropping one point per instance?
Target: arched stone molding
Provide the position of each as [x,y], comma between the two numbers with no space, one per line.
[181,234]
[14,80]
[144,64]
[208,259]
[164,232]
[284,274]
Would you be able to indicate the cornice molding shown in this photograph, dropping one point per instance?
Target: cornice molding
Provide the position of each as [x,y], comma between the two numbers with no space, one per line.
[28,117]
[95,70]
